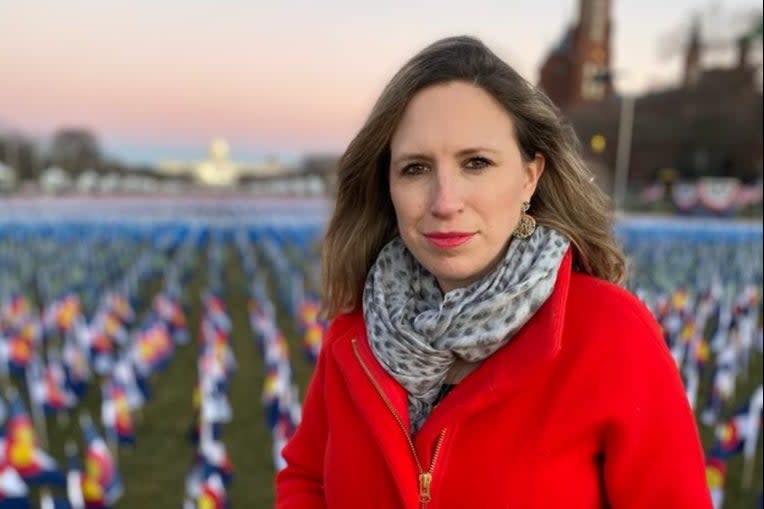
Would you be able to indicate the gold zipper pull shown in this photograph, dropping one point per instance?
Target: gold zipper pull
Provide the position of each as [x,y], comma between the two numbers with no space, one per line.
[424,486]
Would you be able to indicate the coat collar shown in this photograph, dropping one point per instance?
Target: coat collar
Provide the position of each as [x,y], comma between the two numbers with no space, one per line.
[532,348]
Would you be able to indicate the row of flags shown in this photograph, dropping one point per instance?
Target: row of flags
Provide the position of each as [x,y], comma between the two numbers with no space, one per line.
[58,366]
[280,395]
[299,303]
[212,470]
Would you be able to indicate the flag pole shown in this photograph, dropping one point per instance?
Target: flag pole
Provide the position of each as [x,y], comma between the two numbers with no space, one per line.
[752,437]
[747,478]
[73,478]
[46,500]
[112,442]
[37,416]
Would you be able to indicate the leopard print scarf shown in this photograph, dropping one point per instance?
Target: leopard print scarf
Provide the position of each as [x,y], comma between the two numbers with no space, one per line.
[416,332]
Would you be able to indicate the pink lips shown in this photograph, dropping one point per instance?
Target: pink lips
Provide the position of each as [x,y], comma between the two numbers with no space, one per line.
[448,239]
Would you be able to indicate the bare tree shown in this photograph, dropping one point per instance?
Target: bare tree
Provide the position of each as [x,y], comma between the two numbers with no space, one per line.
[20,153]
[75,149]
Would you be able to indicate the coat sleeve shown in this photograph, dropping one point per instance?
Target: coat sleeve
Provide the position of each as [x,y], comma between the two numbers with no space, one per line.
[652,452]
[300,484]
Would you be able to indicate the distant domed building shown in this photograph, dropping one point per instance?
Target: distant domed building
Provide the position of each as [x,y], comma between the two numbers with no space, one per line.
[218,171]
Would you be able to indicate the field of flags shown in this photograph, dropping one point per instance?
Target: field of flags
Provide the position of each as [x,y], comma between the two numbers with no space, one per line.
[154,353]
[702,279]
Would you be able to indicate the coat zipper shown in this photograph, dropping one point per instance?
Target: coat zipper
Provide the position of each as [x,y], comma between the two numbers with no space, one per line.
[425,477]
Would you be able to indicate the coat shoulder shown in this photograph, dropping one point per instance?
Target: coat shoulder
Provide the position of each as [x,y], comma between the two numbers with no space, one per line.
[606,312]
[342,325]
[608,329]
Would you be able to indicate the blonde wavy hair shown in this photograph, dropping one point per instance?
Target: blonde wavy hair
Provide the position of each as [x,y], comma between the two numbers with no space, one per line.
[566,199]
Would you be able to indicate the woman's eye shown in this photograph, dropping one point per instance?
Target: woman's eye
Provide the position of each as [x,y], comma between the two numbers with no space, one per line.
[477,163]
[413,169]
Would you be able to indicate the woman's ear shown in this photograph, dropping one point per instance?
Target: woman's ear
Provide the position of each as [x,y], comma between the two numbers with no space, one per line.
[533,171]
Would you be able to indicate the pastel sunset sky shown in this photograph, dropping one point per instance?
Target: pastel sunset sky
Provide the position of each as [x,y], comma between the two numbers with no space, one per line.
[158,80]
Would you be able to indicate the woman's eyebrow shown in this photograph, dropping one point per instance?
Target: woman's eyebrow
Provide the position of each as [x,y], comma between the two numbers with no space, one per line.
[475,150]
[411,156]
[420,156]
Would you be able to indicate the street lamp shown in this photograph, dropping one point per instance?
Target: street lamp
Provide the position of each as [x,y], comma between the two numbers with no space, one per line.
[623,147]
[623,150]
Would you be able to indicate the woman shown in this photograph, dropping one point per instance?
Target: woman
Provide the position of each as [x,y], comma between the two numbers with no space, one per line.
[481,354]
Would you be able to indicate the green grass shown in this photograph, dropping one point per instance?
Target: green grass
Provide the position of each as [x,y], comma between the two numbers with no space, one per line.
[247,438]
[154,472]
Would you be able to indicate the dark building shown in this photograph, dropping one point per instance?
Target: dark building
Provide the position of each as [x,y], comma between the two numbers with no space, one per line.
[709,125]
[571,74]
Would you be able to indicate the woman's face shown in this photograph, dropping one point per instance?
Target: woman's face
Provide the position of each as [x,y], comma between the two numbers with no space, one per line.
[457,181]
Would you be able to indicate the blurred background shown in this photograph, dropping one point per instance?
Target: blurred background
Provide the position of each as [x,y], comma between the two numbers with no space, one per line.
[166,172]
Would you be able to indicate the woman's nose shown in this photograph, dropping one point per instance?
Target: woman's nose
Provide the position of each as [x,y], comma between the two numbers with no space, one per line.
[447,197]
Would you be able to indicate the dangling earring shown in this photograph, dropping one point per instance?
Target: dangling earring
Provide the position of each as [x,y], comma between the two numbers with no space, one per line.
[527,224]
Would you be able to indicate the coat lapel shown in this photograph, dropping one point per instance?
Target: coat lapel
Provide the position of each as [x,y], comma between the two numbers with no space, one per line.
[353,356]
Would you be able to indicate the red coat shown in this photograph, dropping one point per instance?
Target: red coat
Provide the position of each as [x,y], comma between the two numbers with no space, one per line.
[583,408]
